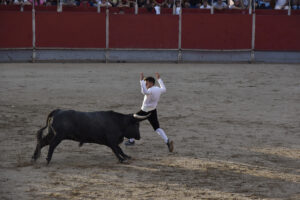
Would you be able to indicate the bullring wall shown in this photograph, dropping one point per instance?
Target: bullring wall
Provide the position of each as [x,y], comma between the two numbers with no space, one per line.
[108,36]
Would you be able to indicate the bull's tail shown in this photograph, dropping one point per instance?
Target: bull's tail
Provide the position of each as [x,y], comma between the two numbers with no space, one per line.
[39,135]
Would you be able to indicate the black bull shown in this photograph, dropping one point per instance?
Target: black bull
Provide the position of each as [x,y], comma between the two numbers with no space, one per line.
[104,127]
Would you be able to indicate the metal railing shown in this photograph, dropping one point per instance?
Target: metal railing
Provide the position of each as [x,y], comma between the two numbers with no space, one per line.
[175,11]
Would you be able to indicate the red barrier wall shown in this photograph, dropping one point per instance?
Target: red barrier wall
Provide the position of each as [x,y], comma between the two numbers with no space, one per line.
[199,31]
[206,31]
[70,30]
[9,7]
[271,12]
[15,29]
[143,31]
[277,32]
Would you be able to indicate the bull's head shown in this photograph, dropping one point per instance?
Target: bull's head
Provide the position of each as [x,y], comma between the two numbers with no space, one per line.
[133,128]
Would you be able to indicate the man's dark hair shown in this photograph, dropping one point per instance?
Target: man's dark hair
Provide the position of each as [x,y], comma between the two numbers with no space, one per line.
[150,79]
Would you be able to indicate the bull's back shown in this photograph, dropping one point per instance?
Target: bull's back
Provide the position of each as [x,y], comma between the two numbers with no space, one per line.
[84,126]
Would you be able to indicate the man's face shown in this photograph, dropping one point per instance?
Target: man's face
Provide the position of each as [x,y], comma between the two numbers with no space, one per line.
[149,84]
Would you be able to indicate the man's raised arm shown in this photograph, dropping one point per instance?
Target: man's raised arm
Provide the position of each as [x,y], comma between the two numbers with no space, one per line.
[161,83]
[144,89]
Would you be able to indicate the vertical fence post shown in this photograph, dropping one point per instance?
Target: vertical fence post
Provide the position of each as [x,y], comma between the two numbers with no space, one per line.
[98,7]
[59,6]
[174,7]
[179,58]
[289,9]
[136,8]
[107,34]
[250,7]
[253,33]
[33,32]
[22,7]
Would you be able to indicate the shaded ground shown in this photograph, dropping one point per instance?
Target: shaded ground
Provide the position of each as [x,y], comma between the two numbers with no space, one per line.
[236,129]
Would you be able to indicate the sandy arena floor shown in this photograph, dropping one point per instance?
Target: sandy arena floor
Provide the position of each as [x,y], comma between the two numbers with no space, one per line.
[236,129]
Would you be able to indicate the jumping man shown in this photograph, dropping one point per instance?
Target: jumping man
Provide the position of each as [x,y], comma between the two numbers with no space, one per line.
[152,94]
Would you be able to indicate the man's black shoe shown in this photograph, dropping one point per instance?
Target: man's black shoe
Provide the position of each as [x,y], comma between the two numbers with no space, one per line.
[170,145]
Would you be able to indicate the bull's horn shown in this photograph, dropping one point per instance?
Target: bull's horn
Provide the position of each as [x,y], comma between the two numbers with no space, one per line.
[141,116]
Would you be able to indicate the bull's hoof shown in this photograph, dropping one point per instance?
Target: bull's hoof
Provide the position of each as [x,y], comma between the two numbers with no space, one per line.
[126,162]
[127,157]
[80,144]
[33,158]
[32,161]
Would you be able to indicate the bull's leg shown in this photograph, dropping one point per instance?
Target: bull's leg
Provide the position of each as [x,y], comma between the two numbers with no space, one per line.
[44,142]
[123,154]
[117,152]
[52,146]
[37,152]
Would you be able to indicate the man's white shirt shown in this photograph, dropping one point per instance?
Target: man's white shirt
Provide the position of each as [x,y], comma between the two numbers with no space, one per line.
[152,95]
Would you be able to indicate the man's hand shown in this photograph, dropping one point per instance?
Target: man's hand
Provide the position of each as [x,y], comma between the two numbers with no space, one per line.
[157,75]
[142,76]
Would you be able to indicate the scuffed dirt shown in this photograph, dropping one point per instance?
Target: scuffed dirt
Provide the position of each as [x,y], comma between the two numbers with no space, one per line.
[236,129]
